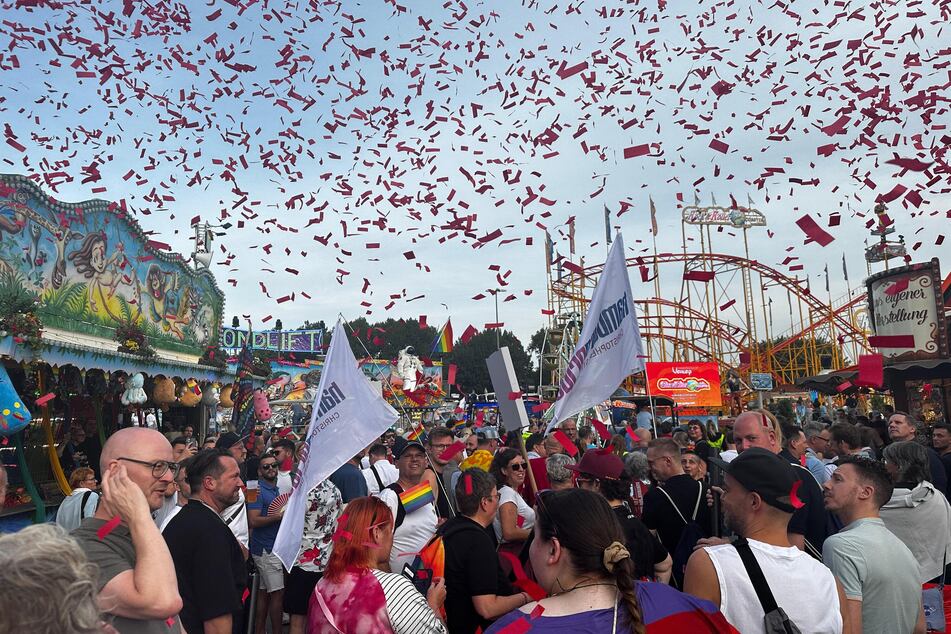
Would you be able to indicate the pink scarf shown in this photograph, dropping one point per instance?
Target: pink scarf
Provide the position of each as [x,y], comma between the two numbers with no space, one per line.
[352,605]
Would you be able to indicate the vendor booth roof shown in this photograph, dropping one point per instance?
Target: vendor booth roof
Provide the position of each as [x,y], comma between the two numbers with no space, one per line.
[87,358]
[829,382]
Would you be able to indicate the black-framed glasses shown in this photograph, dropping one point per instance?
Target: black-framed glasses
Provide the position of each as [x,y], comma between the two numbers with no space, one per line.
[159,467]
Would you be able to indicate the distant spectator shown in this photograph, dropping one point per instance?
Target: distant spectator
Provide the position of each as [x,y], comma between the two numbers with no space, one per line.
[556,467]
[82,502]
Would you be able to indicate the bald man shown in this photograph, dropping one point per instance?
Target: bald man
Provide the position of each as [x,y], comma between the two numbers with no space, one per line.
[137,583]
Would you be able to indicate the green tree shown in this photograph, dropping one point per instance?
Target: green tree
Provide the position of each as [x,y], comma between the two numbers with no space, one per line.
[472,374]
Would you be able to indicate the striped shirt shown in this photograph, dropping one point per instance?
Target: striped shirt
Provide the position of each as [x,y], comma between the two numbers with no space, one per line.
[408,610]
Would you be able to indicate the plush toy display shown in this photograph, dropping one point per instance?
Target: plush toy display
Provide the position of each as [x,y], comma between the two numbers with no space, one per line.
[226,392]
[14,415]
[190,393]
[96,384]
[262,411]
[164,393]
[210,396]
[134,394]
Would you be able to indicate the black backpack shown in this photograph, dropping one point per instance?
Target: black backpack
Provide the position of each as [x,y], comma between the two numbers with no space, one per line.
[689,537]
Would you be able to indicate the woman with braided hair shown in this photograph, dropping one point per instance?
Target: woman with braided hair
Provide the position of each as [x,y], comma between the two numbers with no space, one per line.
[579,558]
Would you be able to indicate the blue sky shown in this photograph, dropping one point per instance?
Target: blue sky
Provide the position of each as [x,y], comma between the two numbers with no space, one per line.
[399,121]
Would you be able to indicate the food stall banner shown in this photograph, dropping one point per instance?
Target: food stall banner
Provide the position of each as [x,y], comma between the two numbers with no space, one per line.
[905,306]
[689,384]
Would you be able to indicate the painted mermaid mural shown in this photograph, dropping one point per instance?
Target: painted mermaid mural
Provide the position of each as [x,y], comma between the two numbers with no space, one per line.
[92,267]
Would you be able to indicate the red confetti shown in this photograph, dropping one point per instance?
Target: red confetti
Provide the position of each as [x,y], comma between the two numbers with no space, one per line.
[108,527]
[636,150]
[892,341]
[602,430]
[452,450]
[46,398]
[569,446]
[871,371]
[814,231]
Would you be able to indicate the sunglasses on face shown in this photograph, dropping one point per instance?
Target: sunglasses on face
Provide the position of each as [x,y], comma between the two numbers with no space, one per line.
[270,465]
[516,466]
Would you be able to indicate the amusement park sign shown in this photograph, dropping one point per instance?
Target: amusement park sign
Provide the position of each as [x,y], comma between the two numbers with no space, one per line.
[233,339]
[688,384]
[739,217]
[907,316]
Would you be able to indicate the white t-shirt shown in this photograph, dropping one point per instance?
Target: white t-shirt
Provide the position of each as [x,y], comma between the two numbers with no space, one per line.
[72,511]
[284,481]
[408,610]
[169,504]
[236,517]
[799,584]
[508,495]
[417,528]
[387,472]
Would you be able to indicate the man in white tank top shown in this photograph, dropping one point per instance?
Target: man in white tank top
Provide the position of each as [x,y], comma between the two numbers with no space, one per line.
[759,496]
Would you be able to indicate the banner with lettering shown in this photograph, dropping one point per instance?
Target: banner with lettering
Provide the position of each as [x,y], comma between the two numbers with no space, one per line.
[688,384]
[610,348]
[233,339]
[905,306]
[348,414]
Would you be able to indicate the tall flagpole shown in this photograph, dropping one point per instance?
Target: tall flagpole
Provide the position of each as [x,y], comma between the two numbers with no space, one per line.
[650,399]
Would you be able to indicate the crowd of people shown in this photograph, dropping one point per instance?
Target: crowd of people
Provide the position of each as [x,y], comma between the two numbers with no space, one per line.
[762,525]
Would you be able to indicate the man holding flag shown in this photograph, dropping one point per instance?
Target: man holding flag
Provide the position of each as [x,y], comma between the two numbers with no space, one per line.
[610,347]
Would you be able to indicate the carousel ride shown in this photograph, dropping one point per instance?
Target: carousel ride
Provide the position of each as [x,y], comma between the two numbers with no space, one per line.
[713,304]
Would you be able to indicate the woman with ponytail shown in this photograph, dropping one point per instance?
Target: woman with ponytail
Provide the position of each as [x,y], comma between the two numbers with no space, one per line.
[579,558]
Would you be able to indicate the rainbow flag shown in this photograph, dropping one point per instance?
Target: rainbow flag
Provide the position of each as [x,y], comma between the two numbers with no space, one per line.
[443,342]
[457,425]
[417,497]
[416,434]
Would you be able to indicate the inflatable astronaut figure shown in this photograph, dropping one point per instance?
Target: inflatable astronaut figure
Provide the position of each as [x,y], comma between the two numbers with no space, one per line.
[407,365]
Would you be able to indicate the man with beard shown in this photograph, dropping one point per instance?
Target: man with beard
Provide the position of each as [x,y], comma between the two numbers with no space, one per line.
[413,527]
[209,563]
[759,497]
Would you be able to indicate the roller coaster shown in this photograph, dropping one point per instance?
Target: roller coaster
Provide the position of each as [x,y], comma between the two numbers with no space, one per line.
[723,312]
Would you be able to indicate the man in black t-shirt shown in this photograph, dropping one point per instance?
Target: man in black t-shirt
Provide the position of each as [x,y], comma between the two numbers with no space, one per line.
[477,591]
[663,458]
[209,563]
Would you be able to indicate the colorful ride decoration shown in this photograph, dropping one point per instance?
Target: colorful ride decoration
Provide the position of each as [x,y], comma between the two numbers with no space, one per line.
[92,269]
[262,410]
[14,416]
[298,381]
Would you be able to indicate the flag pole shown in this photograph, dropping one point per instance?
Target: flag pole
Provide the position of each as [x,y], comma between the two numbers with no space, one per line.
[402,410]
[650,399]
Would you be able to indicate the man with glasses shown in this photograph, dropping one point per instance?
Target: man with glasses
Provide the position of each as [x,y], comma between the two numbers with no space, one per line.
[439,471]
[265,525]
[137,584]
[209,562]
[818,450]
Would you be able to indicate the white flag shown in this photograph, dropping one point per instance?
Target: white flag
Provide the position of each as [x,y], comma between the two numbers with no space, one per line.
[610,346]
[348,415]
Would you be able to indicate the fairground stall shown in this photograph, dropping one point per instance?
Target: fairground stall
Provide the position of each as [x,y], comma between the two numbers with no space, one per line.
[100,328]
[909,309]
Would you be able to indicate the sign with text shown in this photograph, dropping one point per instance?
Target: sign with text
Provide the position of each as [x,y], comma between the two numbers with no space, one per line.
[277,340]
[688,384]
[906,313]
[761,381]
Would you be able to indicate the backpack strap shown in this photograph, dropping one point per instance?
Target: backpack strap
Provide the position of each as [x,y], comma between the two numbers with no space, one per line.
[671,500]
[763,593]
[376,474]
[696,507]
[400,510]
[82,505]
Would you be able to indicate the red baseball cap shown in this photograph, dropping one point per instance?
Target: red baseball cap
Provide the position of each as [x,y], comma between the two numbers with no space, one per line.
[600,463]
